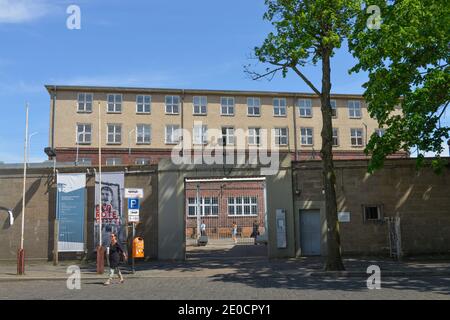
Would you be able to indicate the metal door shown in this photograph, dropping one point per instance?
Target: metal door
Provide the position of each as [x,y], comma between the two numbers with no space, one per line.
[310,236]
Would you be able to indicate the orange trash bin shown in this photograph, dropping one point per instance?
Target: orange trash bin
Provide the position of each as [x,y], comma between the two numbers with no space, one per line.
[138,247]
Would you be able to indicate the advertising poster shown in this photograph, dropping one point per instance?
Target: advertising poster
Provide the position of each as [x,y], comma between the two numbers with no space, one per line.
[113,220]
[70,204]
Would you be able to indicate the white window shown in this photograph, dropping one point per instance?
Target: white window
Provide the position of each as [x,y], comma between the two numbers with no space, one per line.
[200,104]
[172,104]
[143,104]
[114,134]
[305,108]
[209,206]
[84,133]
[356,137]
[253,136]
[380,132]
[172,134]
[281,136]
[142,161]
[306,136]
[354,109]
[333,108]
[200,135]
[335,137]
[113,161]
[228,136]
[242,206]
[114,103]
[253,106]
[227,106]
[84,161]
[279,107]
[85,102]
[143,134]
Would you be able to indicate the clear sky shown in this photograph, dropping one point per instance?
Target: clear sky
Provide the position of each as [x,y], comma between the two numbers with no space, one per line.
[200,44]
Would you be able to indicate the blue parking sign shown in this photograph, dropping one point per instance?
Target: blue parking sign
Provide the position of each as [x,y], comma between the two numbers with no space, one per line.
[133,203]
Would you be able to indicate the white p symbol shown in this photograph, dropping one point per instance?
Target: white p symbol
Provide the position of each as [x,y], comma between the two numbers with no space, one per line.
[74,20]
[74,280]
[374,281]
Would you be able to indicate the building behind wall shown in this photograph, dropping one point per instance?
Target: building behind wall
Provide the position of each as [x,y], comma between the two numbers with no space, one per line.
[139,124]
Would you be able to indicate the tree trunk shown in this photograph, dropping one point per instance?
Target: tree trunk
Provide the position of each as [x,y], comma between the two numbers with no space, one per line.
[334,259]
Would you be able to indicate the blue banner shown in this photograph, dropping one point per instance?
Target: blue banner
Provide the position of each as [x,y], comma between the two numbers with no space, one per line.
[71,211]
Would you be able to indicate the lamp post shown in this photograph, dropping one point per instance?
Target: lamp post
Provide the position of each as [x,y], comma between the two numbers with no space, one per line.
[100,249]
[29,144]
[21,251]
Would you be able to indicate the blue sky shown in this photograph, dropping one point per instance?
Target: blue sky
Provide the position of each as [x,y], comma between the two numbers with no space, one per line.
[145,43]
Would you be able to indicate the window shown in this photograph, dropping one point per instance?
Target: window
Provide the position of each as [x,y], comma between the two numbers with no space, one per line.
[356,137]
[227,106]
[306,136]
[279,107]
[333,108]
[380,132]
[142,161]
[239,206]
[172,134]
[209,206]
[114,134]
[172,104]
[113,161]
[281,136]
[200,135]
[354,109]
[227,136]
[200,104]
[253,106]
[84,161]
[85,102]
[305,108]
[372,212]
[143,104]
[253,136]
[84,133]
[143,134]
[114,103]
[335,137]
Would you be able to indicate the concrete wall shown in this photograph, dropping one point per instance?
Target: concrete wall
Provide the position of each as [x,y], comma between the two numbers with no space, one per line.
[171,213]
[40,211]
[420,198]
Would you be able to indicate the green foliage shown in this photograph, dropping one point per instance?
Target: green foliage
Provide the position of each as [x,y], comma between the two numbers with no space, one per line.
[407,61]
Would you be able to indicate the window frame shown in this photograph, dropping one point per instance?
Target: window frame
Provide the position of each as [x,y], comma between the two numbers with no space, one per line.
[280,136]
[84,102]
[115,103]
[300,108]
[144,104]
[172,104]
[353,137]
[227,136]
[335,115]
[227,106]
[114,134]
[200,113]
[253,107]
[279,107]
[380,212]
[257,136]
[137,133]
[251,205]
[84,133]
[333,136]
[353,103]
[306,136]
[204,134]
[177,127]
[114,160]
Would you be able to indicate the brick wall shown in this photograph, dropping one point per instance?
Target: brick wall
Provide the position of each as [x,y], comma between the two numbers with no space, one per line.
[420,198]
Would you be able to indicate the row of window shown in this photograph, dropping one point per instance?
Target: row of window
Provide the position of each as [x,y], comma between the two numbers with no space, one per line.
[112,161]
[237,206]
[199,103]
[200,135]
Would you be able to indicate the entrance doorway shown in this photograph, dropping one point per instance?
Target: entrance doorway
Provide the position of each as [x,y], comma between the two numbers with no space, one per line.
[310,232]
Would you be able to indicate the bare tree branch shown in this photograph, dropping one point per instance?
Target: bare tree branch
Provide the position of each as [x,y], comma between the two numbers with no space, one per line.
[256,76]
[304,78]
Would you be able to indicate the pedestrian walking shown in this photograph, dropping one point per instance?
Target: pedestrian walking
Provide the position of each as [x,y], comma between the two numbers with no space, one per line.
[115,253]
[234,231]
[203,229]
[255,231]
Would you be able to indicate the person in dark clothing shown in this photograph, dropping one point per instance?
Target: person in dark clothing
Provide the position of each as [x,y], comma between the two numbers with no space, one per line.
[255,231]
[115,253]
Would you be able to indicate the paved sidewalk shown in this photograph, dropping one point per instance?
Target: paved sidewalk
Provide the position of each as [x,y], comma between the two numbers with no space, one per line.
[206,267]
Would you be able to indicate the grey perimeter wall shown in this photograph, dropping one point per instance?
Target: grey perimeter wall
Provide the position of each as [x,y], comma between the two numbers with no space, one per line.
[420,198]
[40,211]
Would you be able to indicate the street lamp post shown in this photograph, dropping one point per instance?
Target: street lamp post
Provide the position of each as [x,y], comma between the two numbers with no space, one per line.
[100,249]
[21,251]
[29,145]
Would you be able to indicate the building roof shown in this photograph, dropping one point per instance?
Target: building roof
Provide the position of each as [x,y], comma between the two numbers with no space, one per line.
[51,88]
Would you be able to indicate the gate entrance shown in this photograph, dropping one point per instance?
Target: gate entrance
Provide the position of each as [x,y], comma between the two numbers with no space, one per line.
[228,211]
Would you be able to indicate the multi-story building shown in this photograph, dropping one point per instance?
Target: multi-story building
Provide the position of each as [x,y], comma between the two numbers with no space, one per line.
[140,125]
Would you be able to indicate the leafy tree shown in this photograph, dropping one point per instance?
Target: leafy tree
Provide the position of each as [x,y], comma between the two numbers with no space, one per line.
[310,31]
[408,63]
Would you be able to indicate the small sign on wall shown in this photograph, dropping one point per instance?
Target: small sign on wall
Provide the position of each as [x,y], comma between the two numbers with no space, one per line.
[344,216]
[281,228]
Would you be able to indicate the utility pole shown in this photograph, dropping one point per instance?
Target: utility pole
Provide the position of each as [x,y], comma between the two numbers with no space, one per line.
[21,252]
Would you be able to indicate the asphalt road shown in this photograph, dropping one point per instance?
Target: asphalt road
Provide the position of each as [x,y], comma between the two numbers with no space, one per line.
[233,287]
